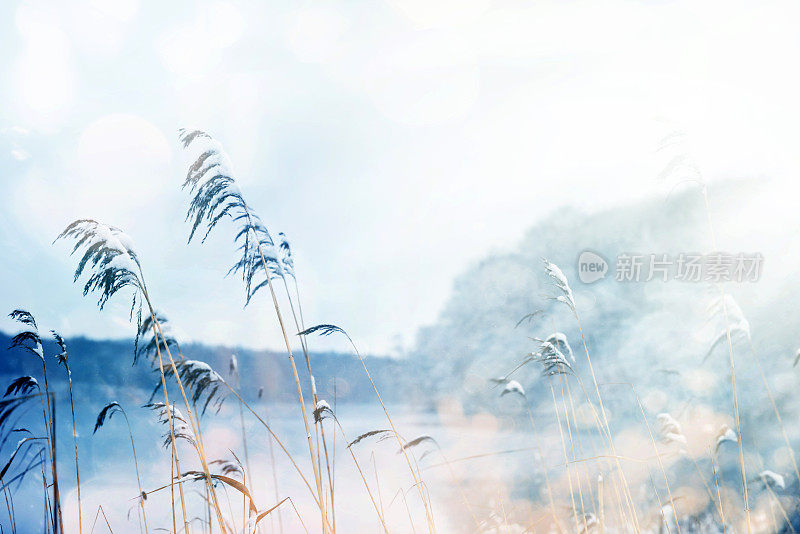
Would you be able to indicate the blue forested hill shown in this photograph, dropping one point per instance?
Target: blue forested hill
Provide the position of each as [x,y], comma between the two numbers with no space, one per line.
[103,368]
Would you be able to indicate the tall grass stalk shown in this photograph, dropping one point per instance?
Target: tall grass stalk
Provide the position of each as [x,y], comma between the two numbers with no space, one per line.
[311,448]
[716,485]
[566,459]
[601,517]
[581,452]
[655,450]
[711,497]
[775,408]
[732,366]
[378,510]
[545,469]
[32,342]
[280,444]
[105,414]
[574,457]
[190,415]
[177,464]
[64,360]
[328,329]
[625,485]
[274,481]
[300,327]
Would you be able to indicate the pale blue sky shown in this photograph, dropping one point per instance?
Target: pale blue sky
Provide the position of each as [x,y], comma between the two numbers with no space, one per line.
[394,142]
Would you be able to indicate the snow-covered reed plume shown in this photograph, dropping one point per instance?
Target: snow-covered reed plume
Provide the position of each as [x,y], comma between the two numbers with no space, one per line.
[216,195]
[772,480]
[61,357]
[553,361]
[109,254]
[589,522]
[17,395]
[737,324]
[148,349]
[669,429]
[559,340]
[557,275]
[725,435]
[286,254]
[321,410]
[233,366]
[513,387]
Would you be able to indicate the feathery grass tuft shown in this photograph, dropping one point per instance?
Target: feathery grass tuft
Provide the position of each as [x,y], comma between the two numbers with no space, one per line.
[201,380]
[557,275]
[106,414]
[321,409]
[22,386]
[109,254]
[182,430]
[384,434]
[215,195]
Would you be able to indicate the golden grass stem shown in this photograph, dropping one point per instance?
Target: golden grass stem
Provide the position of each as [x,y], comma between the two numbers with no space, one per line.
[300,326]
[311,449]
[278,441]
[75,442]
[52,447]
[190,415]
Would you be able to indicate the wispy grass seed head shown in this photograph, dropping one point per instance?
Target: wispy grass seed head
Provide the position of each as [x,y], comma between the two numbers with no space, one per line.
[557,275]
[180,426]
[106,414]
[28,340]
[553,361]
[61,357]
[22,386]
[201,380]
[321,410]
[214,196]
[108,253]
